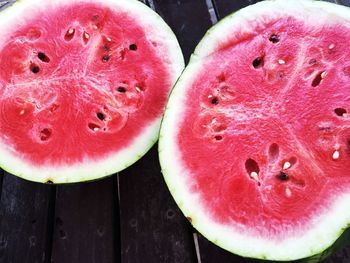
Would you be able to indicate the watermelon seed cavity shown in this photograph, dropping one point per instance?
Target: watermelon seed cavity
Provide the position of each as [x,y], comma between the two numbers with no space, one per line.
[341,112]
[312,61]
[252,169]
[274,152]
[218,137]
[86,37]
[317,80]
[54,107]
[70,34]
[93,126]
[45,134]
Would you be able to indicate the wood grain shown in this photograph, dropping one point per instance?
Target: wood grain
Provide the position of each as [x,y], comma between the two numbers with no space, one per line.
[86,229]
[24,221]
[152,227]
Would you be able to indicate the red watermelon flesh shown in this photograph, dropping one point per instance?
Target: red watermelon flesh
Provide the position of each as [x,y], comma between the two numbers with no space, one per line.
[260,126]
[84,81]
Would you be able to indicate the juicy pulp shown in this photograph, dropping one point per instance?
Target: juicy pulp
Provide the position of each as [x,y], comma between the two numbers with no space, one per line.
[255,142]
[83,84]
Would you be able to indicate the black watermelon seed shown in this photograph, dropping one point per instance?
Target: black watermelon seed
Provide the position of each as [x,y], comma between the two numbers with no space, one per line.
[283,176]
[215,101]
[133,47]
[121,89]
[42,56]
[101,116]
[105,58]
[257,62]
[274,38]
[34,68]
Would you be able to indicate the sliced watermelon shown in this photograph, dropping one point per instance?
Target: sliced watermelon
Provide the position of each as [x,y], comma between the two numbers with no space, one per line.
[255,142]
[83,86]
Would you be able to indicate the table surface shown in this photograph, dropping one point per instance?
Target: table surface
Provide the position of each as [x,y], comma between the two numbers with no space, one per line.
[128,217]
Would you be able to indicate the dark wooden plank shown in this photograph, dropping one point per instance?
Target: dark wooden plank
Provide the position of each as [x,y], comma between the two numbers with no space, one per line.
[343,2]
[1,179]
[152,227]
[209,253]
[341,256]
[188,19]
[224,7]
[25,228]
[86,226]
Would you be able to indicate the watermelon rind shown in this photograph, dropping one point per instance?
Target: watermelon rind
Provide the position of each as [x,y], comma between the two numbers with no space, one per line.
[87,170]
[327,231]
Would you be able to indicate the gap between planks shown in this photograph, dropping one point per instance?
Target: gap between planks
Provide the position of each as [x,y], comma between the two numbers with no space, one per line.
[51,215]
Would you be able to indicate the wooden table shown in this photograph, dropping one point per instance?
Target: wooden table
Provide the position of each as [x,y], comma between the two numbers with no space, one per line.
[129,217]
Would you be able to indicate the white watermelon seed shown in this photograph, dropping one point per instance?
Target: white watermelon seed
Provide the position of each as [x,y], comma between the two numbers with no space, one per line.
[71,31]
[331,46]
[138,89]
[253,169]
[254,175]
[287,165]
[22,112]
[109,39]
[336,155]
[96,129]
[323,74]
[86,35]
[288,192]
[281,62]
[95,27]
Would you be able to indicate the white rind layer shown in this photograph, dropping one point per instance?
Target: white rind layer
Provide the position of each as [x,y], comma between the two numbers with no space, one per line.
[157,30]
[325,228]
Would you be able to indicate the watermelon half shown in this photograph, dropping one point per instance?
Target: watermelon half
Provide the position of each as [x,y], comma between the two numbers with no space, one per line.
[255,142]
[83,86]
